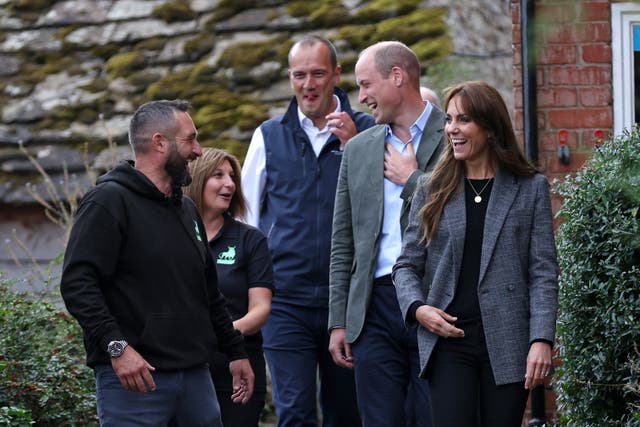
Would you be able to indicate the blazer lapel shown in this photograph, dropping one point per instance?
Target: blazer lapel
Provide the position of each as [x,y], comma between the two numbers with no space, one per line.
[428,149]
[430,141]
[502,196]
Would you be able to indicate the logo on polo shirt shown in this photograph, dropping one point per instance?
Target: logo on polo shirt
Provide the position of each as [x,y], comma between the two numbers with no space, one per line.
[228,256]
[195,226]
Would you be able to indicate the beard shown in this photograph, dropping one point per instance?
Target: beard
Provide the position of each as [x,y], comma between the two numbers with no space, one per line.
[177,169]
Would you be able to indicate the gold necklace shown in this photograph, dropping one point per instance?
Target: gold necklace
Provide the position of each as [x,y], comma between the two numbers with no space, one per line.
[478,198]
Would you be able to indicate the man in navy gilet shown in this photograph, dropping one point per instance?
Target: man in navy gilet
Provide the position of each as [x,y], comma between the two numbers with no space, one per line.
[290,176]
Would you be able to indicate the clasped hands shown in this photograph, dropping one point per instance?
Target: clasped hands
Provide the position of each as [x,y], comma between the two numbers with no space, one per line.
[442,324]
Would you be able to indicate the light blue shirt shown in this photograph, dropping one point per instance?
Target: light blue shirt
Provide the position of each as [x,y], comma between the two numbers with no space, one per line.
[391,239]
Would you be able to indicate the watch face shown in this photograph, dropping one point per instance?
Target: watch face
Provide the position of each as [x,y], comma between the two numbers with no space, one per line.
[116,348]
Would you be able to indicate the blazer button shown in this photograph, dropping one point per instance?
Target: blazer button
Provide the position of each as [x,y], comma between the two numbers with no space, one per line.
[511,287]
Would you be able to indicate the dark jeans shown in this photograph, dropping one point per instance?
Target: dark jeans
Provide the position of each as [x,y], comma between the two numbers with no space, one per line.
[296,346]
[237,414]
[386,364]
[187,397]
[463,390]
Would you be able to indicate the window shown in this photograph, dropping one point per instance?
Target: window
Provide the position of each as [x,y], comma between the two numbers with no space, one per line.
[625,46]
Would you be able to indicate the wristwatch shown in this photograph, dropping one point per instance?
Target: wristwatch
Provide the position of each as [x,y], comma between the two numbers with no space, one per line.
[116,348]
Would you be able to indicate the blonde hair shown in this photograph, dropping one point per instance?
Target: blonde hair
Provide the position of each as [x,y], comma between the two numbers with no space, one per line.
[203,168]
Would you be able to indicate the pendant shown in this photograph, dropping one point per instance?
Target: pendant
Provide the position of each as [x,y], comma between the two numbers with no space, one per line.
[477,199]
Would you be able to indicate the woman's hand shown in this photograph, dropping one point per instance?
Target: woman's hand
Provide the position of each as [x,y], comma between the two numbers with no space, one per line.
[438,322]
[538,364]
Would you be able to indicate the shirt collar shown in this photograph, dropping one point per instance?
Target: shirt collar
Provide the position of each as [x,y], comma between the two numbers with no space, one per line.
[306,123]
[418,126]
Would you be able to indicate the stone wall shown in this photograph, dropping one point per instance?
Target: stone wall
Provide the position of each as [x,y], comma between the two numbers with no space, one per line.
[73,71]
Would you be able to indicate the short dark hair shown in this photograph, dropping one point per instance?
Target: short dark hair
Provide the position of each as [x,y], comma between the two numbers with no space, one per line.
[151,117]
[310,40]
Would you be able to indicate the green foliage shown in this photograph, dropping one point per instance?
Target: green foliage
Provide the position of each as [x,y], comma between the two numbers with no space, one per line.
[599,316]
[15,417]
[173,11]
[42,372]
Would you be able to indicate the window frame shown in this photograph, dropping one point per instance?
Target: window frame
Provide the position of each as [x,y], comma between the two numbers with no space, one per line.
[623,17]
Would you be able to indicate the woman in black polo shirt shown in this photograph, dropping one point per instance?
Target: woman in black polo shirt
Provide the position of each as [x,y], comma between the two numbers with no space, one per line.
[245,274]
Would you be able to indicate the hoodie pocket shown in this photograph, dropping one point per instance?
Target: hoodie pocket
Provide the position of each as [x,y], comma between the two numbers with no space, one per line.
[178,337]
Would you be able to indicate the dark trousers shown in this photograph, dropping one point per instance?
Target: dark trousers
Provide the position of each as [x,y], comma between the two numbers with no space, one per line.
[463,390]
[296,346]
[238,414]
[387,366]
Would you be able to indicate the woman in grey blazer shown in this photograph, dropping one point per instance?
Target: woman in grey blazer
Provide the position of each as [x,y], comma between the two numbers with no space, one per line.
[478,269]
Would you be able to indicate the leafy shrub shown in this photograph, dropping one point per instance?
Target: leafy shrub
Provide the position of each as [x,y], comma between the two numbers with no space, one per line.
[599,318]
[42,372]
[15,417]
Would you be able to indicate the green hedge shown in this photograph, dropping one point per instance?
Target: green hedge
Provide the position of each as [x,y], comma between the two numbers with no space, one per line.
[43,377]
[599,317]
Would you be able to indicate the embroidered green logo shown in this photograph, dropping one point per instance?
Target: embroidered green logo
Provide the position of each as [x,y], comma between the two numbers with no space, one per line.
[228,256]
[195,226]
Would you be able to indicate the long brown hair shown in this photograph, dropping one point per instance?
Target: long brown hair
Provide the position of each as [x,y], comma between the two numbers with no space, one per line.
[485,106]
[203,168]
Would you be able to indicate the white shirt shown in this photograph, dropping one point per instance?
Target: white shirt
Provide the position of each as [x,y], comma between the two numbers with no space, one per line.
[254,169]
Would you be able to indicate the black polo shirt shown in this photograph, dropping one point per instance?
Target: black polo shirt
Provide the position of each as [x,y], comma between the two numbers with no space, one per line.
[242,260]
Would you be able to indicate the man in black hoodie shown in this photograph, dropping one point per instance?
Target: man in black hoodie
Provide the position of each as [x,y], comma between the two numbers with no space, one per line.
[139,279]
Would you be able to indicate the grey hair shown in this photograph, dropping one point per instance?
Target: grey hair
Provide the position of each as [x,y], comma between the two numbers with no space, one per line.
[151,117]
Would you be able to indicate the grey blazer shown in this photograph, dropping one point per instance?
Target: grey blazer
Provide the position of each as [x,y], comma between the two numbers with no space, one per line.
[357,218]
[517,286]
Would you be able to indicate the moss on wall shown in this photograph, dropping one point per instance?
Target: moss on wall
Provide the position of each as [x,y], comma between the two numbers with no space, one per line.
[383,9]
[173,11]
[225,109]
[245,56]
[97,85]
[413,27]
[151,44]
[29,10]
[232,146]
[122,64]
[424,30]
[140,80]
[330,13]
[224,94]
[319,13]
[227,8]
[105,51]
[199,45]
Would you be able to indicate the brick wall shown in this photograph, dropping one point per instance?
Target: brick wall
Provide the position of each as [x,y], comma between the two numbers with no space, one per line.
[574,77]
[574,87]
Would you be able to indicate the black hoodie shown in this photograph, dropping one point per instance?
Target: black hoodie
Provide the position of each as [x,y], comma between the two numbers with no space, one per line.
[137,268]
